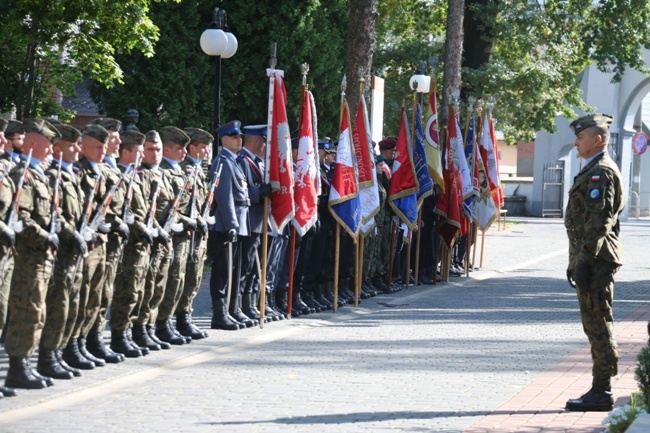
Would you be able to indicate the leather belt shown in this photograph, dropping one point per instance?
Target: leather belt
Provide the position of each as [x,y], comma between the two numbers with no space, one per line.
[242,203]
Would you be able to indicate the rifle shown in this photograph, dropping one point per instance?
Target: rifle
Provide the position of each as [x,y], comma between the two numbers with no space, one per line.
[169,224]
[5,172]
[54,207]
[12,218]
[85,217]
[151,213]
[194,213]
[127,216]
[207,206]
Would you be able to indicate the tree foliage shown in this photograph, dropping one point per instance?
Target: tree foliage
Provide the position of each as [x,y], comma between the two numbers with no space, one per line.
[47,46]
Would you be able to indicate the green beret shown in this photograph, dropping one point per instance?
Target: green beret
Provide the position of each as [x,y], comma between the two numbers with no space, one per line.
[3,124]
[69,133]
[199,135]
[15,127]
[97,132]
[132,138]
[171,134]
[590,120]
[152,136]
[42,127]
[108,123]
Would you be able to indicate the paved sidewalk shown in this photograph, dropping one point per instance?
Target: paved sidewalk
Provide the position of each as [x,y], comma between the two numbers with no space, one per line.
[501,351]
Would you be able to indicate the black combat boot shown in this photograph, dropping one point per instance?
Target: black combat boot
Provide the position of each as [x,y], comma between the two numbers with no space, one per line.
[120,344]
[129,336]
[7,392]
[238,314]
[598,399]
[220,317]
[142,339]
[165,333]
[248,307]
[95,345]
[152,334]
[308,298]
[49,366]
[186,328]
[272,309]
[73,358]
[299,305]
[321,298]
[81,343]
[59,357]
[19,375]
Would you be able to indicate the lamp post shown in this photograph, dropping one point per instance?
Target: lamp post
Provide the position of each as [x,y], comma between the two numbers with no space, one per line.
[217,41]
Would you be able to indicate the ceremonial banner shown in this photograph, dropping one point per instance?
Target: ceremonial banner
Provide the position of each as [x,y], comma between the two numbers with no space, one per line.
[368,193]
[402,192]
[307,186]
[425,184]
[344,201]
[490,159]
[432,141]
[470,157]
[279,170]
[484,211]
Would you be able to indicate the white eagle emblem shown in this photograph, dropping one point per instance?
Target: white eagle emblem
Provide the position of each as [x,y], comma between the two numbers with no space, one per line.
[284,146]
[305,163]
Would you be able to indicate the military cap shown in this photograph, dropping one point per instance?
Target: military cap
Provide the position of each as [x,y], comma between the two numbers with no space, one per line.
[174,135]
[132,138]
[255,130]
[388,143]
[199,135]
[42,127]
[53,120]
[589,120]
[231,128]
[325,143]
[108,123]
[3,124]
[97,132]
[68,133]
[15,127]
[152,136]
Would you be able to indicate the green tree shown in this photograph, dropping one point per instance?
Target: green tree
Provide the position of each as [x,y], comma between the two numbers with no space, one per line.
[47,46]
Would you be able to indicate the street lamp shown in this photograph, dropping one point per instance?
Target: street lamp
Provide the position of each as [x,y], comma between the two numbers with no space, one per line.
[217,41]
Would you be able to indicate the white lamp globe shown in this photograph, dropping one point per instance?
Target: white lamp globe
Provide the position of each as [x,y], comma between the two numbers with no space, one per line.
[214,42]
[231,49]
[424,83]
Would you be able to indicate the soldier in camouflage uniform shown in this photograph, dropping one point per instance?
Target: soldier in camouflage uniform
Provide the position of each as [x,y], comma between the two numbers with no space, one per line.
[63,294]
[36,244]
[132,268]
[595,203]
[197,150]
[15,135]
[153,183]
[118,234]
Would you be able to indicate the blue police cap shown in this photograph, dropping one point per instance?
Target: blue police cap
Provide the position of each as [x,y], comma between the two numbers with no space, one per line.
[230,128]
[255,130]
[325,143]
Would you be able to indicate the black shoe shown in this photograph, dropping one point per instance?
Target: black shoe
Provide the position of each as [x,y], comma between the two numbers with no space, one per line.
[186,328]
[8,392]
[595,400]
[59,357]
[152,334]
[142,339]
[81,342]
[73,358]
[19,375]
[164,333]
[95,345]
[48,366]
[120,344]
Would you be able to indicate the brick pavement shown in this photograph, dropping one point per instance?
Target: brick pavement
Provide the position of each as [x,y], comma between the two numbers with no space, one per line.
[499,351]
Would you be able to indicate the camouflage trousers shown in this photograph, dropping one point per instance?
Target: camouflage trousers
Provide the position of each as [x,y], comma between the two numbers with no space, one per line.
[90,290]
[155,282]
[113,251]
[129,285]
[370,255]
[62,300]
[6,263]
[193,274]
[598,323]
[175,278]
[33,268]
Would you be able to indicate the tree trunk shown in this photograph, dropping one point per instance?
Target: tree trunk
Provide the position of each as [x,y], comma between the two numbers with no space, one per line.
[453,54]
[478,38]
[360,48]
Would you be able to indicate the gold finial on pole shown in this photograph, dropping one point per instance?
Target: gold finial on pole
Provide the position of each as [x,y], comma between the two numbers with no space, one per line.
[304,70]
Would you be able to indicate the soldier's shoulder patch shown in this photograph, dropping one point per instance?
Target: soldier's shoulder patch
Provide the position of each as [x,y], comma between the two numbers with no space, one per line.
[75,169]
[189,170]
[595,178]
[594,193]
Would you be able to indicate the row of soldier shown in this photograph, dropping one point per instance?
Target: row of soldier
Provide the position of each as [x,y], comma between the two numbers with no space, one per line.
[71,209]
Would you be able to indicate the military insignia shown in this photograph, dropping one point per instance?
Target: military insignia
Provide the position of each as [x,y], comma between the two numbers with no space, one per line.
[595,178]
[594,194]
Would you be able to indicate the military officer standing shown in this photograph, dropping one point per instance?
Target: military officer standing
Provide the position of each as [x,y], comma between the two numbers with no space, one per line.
[595,203]
[15,135]
[231,222]
[36,244]
[197,150]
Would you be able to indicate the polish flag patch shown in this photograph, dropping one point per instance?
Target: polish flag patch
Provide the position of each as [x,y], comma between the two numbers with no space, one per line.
[595,178]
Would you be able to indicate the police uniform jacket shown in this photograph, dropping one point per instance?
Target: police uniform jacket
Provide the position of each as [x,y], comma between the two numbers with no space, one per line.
[253,169]
[592,217]
[231,195]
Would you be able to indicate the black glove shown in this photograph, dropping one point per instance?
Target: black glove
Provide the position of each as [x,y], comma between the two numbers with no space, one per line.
[52,241]
[581,274]
[231,237]
[123,231]
[80,243]
[147,237]
[265,190]
[569,278]
[163,236]
[190,224]
[203,228]
[8,236]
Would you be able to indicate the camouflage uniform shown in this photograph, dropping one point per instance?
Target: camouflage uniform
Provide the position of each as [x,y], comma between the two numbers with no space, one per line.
[7,191]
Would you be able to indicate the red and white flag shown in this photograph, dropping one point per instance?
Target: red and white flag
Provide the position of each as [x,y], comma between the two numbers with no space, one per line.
[307,186]
[489,154]
[278,164]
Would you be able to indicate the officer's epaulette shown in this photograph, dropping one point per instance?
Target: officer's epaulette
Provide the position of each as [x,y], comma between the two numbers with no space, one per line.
[189,170]
[75,169]
[139,171]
